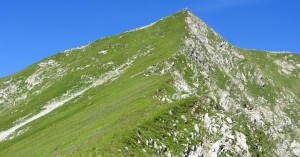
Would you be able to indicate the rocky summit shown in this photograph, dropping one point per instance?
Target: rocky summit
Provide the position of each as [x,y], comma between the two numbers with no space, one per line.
[172,88]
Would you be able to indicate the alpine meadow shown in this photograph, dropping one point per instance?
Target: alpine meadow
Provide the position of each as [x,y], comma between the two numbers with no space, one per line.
[172,88]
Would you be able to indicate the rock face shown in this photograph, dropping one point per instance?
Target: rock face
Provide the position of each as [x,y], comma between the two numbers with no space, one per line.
[172,88]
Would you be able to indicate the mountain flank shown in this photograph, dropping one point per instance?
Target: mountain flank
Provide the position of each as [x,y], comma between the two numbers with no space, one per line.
[172,88]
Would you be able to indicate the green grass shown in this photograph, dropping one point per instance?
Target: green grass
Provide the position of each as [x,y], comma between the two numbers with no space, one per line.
[96,118]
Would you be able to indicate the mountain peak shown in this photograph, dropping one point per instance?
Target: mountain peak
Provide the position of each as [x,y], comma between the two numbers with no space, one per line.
[185,10]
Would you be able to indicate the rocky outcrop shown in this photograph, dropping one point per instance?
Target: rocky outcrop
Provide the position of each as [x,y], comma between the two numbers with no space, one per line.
[213,54]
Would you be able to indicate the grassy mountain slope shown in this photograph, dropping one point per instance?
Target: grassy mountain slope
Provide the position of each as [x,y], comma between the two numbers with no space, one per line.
[172,88]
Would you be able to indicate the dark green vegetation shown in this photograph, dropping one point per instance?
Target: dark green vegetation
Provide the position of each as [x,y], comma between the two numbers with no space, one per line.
[150,92]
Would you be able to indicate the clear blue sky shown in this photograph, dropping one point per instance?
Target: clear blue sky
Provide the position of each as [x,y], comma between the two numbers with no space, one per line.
[31,30]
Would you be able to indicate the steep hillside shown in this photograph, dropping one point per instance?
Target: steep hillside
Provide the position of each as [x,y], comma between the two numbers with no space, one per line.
[172,88]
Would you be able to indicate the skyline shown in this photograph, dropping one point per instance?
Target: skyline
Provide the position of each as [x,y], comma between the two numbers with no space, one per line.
[33,30]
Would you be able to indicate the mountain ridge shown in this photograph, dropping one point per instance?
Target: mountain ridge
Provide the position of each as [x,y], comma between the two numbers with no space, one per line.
[145,26]
[177,61]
